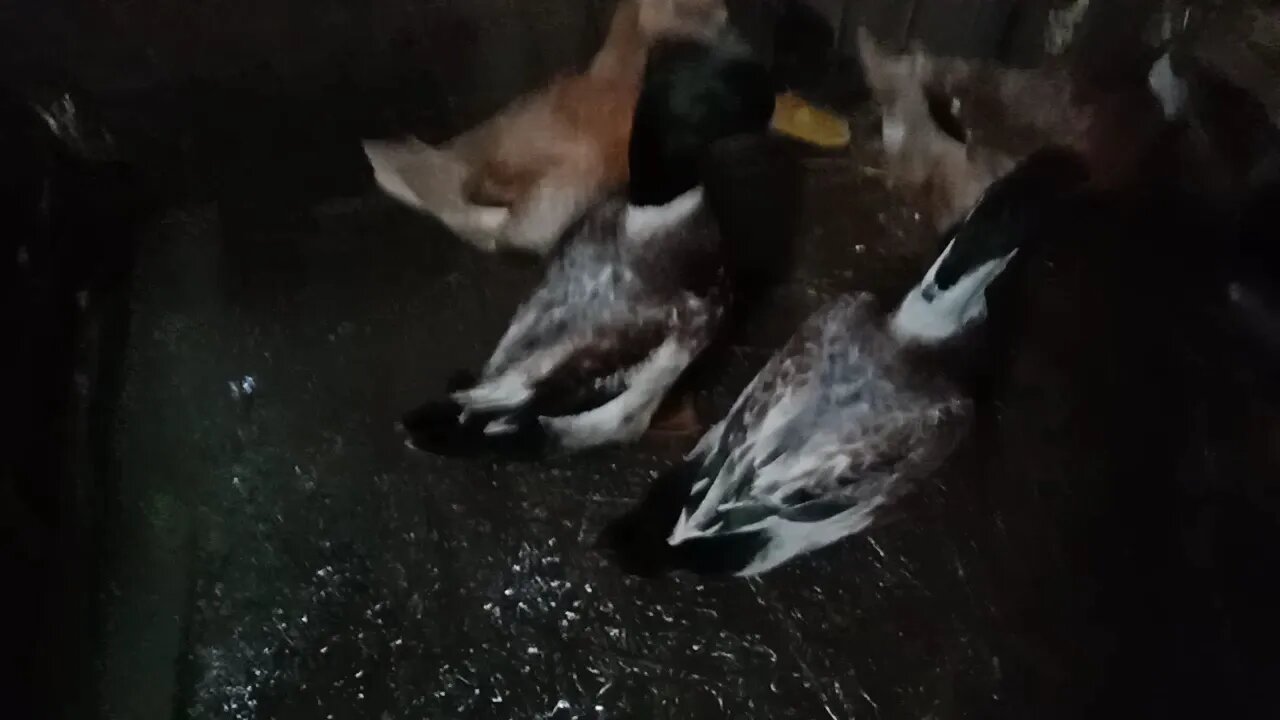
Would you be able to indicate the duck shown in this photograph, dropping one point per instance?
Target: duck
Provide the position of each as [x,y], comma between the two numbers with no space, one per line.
[1223,136]
[850,413]
[635,291]
[1222,160]
[518,180]
[929,157]
[953,125]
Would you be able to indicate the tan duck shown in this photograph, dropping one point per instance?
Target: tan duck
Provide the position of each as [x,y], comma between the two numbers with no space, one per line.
[518,180]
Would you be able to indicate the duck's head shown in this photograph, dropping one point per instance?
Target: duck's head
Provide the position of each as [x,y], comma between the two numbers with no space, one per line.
[1009,215]
[694,94]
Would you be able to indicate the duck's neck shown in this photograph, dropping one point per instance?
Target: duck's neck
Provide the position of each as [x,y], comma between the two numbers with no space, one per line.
[646,220]
[625,49]
[931,314]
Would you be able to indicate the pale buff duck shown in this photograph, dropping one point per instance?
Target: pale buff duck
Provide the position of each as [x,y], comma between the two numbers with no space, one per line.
[519,180]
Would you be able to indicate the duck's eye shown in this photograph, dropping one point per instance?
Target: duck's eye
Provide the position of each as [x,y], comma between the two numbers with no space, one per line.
[929,292]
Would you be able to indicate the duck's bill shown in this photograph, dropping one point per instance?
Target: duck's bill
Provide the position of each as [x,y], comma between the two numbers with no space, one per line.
[795,118]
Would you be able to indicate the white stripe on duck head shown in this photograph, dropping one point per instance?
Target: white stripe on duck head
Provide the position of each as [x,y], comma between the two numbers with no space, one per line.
[694,94]
[1008,216]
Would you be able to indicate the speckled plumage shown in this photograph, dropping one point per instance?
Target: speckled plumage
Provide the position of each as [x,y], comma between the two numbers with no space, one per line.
[604,286]
[827,432]
[620,314]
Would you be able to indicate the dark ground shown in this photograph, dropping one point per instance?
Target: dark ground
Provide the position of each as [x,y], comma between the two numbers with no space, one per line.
[1102,545]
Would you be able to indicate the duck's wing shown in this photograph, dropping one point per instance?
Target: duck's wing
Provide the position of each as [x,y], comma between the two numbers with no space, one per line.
[820,439]
[581,391]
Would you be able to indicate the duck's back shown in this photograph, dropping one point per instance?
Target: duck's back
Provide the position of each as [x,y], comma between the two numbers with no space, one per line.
[601,287]
[829,429]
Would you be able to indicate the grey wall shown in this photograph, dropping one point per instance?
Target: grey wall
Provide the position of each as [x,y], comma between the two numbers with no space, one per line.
[481,50]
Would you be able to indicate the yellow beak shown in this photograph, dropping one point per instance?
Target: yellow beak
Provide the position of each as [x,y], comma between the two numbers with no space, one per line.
[797,119]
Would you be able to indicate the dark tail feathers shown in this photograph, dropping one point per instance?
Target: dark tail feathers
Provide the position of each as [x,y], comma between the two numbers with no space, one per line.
[436,428]
[637,541]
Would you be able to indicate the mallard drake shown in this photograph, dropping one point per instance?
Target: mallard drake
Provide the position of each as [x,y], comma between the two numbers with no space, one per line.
[518,180]
[1254,288]
[846,415]
[636,291]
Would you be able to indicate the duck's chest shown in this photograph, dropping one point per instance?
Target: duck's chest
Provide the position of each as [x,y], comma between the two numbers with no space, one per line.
[685,258]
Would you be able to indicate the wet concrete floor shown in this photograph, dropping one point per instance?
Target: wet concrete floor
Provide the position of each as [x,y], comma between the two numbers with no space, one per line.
[278,553]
